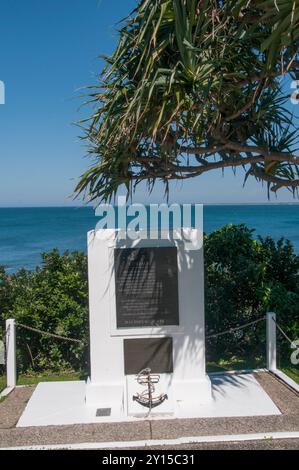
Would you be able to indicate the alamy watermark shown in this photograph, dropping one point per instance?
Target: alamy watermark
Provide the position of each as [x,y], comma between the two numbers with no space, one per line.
[153,221]
[295,354]
[2,92]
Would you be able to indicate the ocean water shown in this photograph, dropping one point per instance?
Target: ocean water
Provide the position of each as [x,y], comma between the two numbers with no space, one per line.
[27,232]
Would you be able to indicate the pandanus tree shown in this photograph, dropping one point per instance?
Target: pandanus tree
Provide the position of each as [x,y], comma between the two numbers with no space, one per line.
[194,86]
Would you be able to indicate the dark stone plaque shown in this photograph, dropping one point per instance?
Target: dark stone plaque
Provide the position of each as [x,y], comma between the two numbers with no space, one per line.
[155,353]
[146,285]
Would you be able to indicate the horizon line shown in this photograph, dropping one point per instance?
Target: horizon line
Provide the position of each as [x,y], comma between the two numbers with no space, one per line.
[156,203]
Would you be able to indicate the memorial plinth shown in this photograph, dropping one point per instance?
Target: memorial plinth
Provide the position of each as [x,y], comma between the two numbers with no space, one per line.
[146,299]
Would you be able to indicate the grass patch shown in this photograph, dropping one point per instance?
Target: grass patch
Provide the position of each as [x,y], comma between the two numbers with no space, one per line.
[2,382]
[35,378]
[292,372]
[235,363]
[2,386]
[285,365]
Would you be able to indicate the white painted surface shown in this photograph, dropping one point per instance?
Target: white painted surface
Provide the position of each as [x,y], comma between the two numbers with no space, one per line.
[238,395]
[63,403]
[11,365]
[163,442]
[189,383]
[271,341]
[238,372]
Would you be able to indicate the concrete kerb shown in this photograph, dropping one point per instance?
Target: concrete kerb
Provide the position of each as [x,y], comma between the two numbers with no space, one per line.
[162,442]
[6,392]
[286,380]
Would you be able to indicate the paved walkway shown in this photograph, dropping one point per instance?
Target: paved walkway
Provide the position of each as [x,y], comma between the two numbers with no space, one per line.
[284,398]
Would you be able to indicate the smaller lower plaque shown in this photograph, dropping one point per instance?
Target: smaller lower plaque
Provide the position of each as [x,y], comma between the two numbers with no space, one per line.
[103,412]
[155,353]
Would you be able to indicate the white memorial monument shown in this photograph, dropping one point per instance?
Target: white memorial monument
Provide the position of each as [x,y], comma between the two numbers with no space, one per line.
[147,340]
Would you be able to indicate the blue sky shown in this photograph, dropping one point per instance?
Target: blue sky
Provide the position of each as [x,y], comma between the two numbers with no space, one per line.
[48,50]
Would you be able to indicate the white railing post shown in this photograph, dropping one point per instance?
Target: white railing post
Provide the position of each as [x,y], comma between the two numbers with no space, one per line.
[271,341]
[11,362]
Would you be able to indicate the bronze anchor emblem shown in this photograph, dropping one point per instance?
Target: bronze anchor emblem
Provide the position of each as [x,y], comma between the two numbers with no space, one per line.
[147,398]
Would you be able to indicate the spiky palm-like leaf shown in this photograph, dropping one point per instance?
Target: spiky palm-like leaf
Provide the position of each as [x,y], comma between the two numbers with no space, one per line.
[192,86]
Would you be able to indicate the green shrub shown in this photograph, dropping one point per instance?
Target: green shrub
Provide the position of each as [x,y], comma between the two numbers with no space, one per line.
[244,279]
[52,298]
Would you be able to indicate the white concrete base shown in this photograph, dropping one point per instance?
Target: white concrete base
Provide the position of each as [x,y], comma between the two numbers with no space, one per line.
[192,395]
[58,403]
[110,395]
[184,397]
[236,395]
